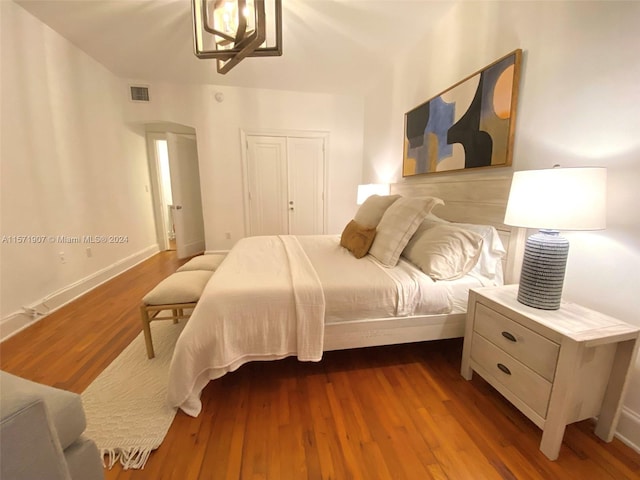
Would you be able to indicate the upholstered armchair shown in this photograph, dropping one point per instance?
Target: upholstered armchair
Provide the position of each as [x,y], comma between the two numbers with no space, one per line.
[41,433]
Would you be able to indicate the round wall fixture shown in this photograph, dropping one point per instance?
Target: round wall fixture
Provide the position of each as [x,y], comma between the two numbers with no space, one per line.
[219,96]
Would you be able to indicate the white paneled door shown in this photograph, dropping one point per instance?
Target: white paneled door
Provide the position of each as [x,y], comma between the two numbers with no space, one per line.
[306,185]
[187,201]
[267,181]
[285,180]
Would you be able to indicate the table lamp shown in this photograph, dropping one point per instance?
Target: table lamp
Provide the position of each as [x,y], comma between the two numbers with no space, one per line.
[551,200]
[365,191]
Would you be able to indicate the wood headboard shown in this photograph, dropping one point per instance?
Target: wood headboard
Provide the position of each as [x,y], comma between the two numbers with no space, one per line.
[473,198]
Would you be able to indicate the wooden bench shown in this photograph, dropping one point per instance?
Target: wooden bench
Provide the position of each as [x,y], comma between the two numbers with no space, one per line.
[203,262]
[178,294]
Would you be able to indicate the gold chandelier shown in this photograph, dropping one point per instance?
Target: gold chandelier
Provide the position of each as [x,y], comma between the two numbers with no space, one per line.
[230,30]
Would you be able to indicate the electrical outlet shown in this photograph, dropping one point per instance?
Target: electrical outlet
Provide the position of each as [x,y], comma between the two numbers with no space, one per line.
[63,259]
[227,235]
[89,252]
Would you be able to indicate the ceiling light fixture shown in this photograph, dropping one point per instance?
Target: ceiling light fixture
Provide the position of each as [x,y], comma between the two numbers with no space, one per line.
[230,30]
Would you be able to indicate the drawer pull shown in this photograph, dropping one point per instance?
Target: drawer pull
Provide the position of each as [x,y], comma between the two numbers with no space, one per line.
[509,336]
[504,369]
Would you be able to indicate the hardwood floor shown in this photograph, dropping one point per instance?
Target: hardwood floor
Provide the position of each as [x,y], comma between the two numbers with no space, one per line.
[401,412]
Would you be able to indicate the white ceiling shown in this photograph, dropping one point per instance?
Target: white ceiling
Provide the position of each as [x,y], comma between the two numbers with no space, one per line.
[334,46]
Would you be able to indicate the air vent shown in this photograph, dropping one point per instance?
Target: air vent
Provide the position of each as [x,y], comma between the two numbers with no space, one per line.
[139,93]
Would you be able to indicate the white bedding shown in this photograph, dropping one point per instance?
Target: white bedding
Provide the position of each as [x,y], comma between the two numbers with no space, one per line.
[255,307]
[363,288]
[271,296]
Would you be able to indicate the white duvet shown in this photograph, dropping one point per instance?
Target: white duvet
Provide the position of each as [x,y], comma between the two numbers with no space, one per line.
[270,298]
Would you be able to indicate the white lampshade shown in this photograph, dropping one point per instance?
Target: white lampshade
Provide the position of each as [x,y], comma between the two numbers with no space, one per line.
[365,191]
[558,199]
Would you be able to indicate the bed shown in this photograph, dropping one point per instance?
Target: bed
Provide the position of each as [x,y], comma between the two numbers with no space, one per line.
[278,296]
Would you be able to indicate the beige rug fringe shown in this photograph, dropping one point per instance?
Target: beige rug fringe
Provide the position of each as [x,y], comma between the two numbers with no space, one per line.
[134,458]
[126,407]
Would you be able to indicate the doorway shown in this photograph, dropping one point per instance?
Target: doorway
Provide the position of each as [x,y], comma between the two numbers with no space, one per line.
[175,181]
[168,231]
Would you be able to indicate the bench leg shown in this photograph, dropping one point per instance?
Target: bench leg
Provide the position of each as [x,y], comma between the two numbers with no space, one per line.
[146,322]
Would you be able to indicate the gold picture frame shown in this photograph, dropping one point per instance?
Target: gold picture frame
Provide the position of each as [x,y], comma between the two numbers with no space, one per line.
[469,125]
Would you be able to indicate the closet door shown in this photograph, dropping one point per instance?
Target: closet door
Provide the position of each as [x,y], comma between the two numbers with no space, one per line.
[285,183]
[305,159]
[267,182]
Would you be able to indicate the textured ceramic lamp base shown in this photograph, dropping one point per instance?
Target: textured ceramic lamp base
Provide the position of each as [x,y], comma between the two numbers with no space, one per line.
[543,267]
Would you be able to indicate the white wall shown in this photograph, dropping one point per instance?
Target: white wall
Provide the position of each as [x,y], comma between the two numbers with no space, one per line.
[70,167]
[218,126]
[579,104]
[74,162]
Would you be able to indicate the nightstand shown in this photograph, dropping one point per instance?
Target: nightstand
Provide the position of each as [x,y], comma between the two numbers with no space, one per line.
[556,366]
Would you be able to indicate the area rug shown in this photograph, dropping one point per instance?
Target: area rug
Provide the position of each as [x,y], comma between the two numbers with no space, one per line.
[126,409]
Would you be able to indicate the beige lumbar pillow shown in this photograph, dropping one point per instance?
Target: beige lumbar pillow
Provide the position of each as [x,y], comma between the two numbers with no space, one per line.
[398,224]
[357,239]
[373,208]
[444,251]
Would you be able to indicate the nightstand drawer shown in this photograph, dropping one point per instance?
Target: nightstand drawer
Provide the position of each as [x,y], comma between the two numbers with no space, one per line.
[532,349]
[523,382]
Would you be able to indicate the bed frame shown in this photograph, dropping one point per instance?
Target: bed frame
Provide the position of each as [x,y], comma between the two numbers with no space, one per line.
[469,198]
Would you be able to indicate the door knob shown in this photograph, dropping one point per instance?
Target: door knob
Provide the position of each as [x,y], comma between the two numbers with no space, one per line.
[178,207]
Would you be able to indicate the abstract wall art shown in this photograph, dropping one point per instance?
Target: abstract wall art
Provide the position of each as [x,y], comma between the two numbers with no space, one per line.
[469,125]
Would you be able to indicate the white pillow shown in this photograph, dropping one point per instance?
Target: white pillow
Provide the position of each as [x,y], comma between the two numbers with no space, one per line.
[488,268]
[444,251]
[371,211]
[489,265]
[432,217]
[397,225]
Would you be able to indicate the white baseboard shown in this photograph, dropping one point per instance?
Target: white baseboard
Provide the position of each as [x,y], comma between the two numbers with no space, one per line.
[14,323]
[628,430]
[18,321]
